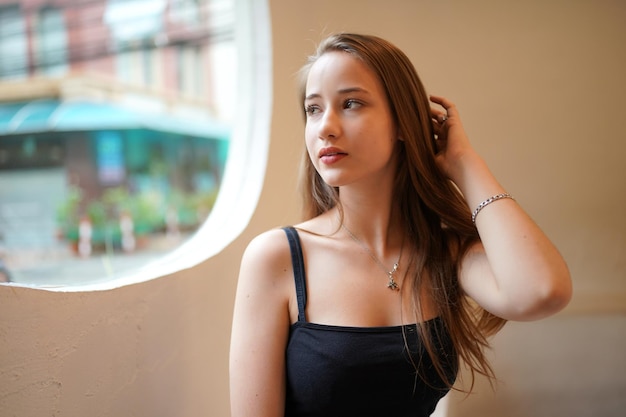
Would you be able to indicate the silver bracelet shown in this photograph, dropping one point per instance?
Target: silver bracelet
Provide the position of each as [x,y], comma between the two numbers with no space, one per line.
[487,202]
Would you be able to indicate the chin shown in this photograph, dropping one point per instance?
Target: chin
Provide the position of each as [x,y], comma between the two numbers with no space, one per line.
[333,180]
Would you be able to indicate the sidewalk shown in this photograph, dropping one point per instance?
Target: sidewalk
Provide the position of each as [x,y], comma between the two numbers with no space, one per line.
[63,267]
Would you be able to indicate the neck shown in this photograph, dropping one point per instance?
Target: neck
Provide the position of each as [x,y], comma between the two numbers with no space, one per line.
[375,221]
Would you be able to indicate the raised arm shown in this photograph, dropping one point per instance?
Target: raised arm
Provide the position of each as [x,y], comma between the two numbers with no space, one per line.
[260,328]
[515,272]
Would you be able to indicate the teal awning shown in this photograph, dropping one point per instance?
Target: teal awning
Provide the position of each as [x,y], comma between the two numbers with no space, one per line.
[66,116]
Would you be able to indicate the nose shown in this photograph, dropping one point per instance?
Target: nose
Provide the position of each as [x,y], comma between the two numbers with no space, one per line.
[329,125]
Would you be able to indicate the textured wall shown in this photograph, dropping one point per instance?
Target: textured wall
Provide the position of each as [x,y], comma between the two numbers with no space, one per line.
[540,86]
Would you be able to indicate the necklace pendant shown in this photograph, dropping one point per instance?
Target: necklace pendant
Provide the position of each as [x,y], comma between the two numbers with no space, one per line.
[392,284]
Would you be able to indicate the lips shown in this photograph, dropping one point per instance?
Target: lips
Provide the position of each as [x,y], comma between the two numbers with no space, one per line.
[331,155]
[327,152]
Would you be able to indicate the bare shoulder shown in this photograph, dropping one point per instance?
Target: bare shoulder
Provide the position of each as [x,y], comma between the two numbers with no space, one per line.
[269,248]
[266,261]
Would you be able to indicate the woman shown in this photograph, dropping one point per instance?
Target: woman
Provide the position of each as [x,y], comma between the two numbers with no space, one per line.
[410,257]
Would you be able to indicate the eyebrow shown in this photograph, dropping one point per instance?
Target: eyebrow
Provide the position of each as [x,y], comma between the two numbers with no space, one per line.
[343,91]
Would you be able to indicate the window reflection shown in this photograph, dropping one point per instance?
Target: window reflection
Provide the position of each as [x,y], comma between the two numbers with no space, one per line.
[113,149]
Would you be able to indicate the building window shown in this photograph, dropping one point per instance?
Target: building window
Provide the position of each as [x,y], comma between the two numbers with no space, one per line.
[191,65]
[134,20]
[186,12]
[13,43]
[51,43]
[115,175]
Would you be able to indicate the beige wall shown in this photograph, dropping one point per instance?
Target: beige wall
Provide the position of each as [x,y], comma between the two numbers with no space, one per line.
[541,87]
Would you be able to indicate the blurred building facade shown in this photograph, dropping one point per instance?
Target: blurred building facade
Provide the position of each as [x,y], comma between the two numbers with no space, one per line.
[110,113]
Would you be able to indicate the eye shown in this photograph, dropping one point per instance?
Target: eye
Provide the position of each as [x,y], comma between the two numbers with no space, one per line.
[311,109]
[351,104]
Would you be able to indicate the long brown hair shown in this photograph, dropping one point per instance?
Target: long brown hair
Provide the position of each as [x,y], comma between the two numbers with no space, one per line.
[433,211]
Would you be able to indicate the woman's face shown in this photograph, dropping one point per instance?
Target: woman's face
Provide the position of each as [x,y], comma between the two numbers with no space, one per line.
[350,135]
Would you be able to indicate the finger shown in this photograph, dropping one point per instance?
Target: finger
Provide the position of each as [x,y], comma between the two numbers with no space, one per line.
[438,115]
[442,101]
[448,105]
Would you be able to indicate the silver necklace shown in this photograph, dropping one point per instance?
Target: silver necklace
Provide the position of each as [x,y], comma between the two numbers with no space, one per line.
[391,284]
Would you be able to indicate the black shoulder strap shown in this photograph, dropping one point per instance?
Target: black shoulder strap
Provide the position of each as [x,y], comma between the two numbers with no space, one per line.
[297,260]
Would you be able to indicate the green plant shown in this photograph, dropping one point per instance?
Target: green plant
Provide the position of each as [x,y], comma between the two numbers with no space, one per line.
[148,211]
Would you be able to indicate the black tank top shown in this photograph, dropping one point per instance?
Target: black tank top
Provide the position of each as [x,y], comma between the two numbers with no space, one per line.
[360,371]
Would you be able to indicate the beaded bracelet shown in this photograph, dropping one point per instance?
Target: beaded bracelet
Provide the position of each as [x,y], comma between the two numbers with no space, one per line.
[489,201]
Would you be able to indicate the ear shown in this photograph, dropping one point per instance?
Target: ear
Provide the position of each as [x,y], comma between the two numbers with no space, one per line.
[397,134]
